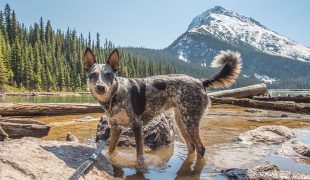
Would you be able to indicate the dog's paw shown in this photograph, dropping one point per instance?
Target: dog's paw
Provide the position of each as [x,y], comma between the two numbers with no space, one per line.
[141,167]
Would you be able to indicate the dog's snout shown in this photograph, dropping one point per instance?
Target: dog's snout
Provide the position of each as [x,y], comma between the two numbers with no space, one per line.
[100,88]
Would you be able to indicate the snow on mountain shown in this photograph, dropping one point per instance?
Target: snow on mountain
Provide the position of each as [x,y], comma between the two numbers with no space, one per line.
[182,56]
[265,78]
[234,28]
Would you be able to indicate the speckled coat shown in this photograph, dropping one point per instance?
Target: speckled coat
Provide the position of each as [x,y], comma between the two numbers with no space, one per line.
[134,102]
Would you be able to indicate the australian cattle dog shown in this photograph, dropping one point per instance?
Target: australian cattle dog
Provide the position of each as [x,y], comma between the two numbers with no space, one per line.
[133,102]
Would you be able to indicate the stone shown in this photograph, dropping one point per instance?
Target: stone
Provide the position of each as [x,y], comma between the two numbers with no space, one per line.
[284,115]
[158,132]
[266,135]
[295,149]
[263,171]
[32,158]
[253,110]
[71,137]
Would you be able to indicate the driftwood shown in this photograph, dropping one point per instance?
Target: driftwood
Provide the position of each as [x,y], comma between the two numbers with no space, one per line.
[3,134]
[298,99]
[17,128]
[243,92]
[278,106]
[33,109]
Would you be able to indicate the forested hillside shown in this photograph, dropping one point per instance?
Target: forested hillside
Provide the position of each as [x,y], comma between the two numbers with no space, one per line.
[42,58]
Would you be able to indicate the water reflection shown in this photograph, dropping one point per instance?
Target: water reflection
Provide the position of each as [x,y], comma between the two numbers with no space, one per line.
[219,131]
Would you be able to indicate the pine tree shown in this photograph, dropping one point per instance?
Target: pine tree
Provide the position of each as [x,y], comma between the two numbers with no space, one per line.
[3,70]
[13,30]
[2,25]
[8,24]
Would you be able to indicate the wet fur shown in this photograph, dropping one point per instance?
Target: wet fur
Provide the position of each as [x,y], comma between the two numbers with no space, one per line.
[134,102]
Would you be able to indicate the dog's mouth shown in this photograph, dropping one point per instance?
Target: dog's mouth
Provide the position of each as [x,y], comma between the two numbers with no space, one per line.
[100,92]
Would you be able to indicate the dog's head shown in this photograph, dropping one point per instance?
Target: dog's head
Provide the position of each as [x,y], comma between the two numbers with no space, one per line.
[102,80]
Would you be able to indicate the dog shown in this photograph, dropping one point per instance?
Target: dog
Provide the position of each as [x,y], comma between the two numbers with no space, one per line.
[133,102]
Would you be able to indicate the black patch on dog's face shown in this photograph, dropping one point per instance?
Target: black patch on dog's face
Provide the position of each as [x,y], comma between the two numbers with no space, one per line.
[160,85]
[137,94]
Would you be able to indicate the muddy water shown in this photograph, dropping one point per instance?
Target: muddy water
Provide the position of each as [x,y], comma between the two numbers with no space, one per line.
[219,131]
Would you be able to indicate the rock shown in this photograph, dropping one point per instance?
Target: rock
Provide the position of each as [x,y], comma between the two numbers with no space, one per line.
[71,137]
[295,149]
[31,158]
[263,171]
[158,132]
[253,110]
[267,135]
[86,119]
[33,94]
[284,115]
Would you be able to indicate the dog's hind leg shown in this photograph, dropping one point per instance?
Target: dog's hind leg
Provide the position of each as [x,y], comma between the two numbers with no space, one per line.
[194,135]
[115,134]
[178,119]
[190,121]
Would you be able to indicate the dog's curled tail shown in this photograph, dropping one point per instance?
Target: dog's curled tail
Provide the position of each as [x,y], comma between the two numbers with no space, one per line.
[228,74]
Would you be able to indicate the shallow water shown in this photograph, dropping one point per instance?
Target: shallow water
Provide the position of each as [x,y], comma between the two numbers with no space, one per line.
[219,130]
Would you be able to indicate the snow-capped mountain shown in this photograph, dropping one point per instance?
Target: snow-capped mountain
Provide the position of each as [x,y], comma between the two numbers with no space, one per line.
[234,30]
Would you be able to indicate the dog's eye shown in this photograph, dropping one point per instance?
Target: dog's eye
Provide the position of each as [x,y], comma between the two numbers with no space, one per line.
[93,76]
[108,74]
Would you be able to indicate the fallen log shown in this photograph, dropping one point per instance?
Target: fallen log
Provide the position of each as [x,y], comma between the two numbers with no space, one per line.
[36,109]
[3,134]
[18,128]
[269,105]
[243,92]
[298,99]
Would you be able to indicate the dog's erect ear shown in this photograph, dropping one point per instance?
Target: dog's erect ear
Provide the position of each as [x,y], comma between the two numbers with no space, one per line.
[89,59]
[113,60]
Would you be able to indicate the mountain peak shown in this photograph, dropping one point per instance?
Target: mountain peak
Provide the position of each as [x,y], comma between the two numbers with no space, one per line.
[217,9]
[235,28]
[206,17]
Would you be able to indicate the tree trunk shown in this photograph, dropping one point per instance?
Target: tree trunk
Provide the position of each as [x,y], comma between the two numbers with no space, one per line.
[17,128]
[243,92]
[34,109]
[278,106]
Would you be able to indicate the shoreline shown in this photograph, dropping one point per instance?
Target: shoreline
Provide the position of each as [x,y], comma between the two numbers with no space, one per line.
[19,94]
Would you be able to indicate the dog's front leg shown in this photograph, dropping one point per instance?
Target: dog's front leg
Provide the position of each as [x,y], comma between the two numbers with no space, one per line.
[138,133]
[115,134]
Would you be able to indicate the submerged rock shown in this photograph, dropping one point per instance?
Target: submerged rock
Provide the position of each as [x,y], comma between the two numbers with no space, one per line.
[253,110]
[71,137]
[86,119]
[158,132]
[267,135]
[263,171]
[284,115]
[31,158]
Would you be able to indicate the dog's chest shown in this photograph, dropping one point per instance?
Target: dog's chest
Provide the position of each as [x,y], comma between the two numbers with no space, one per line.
[120,118]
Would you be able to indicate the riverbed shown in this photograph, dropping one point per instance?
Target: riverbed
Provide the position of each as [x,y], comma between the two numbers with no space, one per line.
[219,132]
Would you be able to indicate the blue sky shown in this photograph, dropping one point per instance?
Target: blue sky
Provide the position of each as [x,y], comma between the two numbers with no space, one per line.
[157,23]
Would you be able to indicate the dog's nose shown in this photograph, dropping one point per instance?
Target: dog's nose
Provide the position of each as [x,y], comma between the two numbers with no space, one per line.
[100,88]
